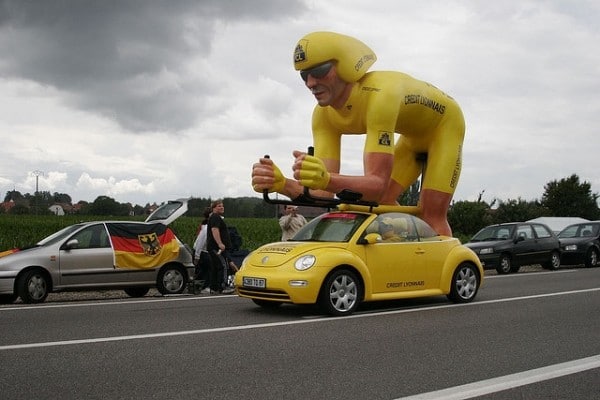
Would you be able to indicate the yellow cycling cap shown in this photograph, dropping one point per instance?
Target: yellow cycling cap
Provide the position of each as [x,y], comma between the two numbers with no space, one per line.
[353,57]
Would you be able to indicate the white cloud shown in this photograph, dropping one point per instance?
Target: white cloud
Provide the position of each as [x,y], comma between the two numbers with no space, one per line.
[151,102]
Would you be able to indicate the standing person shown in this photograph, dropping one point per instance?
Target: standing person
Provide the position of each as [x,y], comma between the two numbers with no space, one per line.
[217,244]
[376,104]
[201,257]
[290,222]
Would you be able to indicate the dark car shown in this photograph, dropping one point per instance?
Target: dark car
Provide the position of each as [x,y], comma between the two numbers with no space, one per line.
[507,247]
[580,244]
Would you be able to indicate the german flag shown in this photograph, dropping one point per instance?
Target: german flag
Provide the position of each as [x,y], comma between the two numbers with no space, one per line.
[142,246]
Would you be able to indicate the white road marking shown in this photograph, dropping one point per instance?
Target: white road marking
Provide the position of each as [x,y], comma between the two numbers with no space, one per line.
[461,392]
[282,323]
[506,382]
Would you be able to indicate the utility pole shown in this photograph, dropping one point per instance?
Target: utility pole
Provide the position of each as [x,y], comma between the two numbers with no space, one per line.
[37,173]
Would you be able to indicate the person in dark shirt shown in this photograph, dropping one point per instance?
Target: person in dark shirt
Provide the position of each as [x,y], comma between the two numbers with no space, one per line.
[217,244]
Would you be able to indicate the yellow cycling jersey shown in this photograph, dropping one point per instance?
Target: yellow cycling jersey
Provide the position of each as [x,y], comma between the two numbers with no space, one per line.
[385,102]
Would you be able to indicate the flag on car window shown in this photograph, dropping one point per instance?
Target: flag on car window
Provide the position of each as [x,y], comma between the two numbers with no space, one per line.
[142,245]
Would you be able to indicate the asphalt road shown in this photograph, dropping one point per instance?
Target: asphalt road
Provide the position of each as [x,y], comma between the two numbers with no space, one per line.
[529,335]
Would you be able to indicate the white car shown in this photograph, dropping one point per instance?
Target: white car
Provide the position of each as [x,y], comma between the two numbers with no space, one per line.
[134,256]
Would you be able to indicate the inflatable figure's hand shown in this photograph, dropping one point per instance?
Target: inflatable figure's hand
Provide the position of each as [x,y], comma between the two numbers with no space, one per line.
[313,173]
[266,175]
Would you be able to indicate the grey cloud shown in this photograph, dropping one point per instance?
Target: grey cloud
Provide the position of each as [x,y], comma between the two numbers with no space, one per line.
[125,60]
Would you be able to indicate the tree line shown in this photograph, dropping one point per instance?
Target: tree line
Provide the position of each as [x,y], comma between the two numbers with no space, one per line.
[567,197]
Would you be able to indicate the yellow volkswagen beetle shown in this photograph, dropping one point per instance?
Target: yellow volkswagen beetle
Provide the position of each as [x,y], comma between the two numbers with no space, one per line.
[349,256]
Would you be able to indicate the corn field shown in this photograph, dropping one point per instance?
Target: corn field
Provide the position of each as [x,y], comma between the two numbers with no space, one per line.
[19,231]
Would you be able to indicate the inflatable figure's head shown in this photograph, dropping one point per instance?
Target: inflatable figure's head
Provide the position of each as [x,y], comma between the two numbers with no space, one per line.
[352,57]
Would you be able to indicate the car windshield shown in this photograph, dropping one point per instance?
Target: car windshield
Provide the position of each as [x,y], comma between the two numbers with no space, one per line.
[582,230]
[499,232]
[60,235]
[331,227]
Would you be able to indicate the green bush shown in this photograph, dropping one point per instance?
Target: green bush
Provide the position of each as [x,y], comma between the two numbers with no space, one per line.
[18,231]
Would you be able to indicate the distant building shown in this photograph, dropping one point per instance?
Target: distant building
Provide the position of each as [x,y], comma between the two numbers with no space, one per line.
[56,209]
[7,205]
[61,208]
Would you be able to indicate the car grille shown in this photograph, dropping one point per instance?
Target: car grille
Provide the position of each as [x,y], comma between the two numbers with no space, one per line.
[264,294]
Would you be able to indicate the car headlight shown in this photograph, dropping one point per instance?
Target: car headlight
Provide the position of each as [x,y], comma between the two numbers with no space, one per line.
[305,262]
[571,247]
[487,250]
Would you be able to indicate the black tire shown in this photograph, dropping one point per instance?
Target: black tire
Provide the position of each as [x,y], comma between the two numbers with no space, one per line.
[465,284]
[504,264]
[33,286]
[341,293]
[172,279]
[591,258]
[266,303]
[554,262]
[7,298]
[137,291]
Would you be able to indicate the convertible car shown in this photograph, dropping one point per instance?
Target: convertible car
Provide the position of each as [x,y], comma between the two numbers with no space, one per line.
[349,256]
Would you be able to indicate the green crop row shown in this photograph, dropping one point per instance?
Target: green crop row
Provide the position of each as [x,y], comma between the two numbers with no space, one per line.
[19,231]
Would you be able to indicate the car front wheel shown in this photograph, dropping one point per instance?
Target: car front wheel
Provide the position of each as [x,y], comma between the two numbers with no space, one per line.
[504,264]
[591,258]
[172,279]
[33,286]
[341,293]
[464,285]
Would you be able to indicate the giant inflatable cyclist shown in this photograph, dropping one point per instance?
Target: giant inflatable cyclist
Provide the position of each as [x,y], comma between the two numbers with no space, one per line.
[377,104]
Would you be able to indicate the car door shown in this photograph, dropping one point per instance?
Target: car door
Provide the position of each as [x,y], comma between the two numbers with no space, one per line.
[87,259]
[395,266]
[399,263]
[546,242]
[525,247]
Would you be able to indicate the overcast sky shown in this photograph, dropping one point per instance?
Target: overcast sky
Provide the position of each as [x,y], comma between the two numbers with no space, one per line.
[147,101]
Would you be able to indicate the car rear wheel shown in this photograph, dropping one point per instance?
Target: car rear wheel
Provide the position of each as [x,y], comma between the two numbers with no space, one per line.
[504,264]
[33,286]
[554,262]
[137,291]
[266,303]
[172,279]
[7,298]
[341,293]
[465,283]
[591,258]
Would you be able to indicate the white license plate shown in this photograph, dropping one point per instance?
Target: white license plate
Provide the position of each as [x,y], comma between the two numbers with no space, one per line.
[254,282]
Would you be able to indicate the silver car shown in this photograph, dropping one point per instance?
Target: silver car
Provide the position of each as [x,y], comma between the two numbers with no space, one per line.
[134,256]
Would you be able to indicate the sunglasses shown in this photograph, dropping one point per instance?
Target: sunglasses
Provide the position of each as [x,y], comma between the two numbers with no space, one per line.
[317,72]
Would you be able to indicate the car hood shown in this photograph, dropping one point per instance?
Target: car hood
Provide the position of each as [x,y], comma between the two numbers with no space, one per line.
[15,256]
[275,254]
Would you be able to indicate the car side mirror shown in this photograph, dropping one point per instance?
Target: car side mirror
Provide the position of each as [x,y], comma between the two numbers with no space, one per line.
[519,239]
[71,244]
[372,238]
